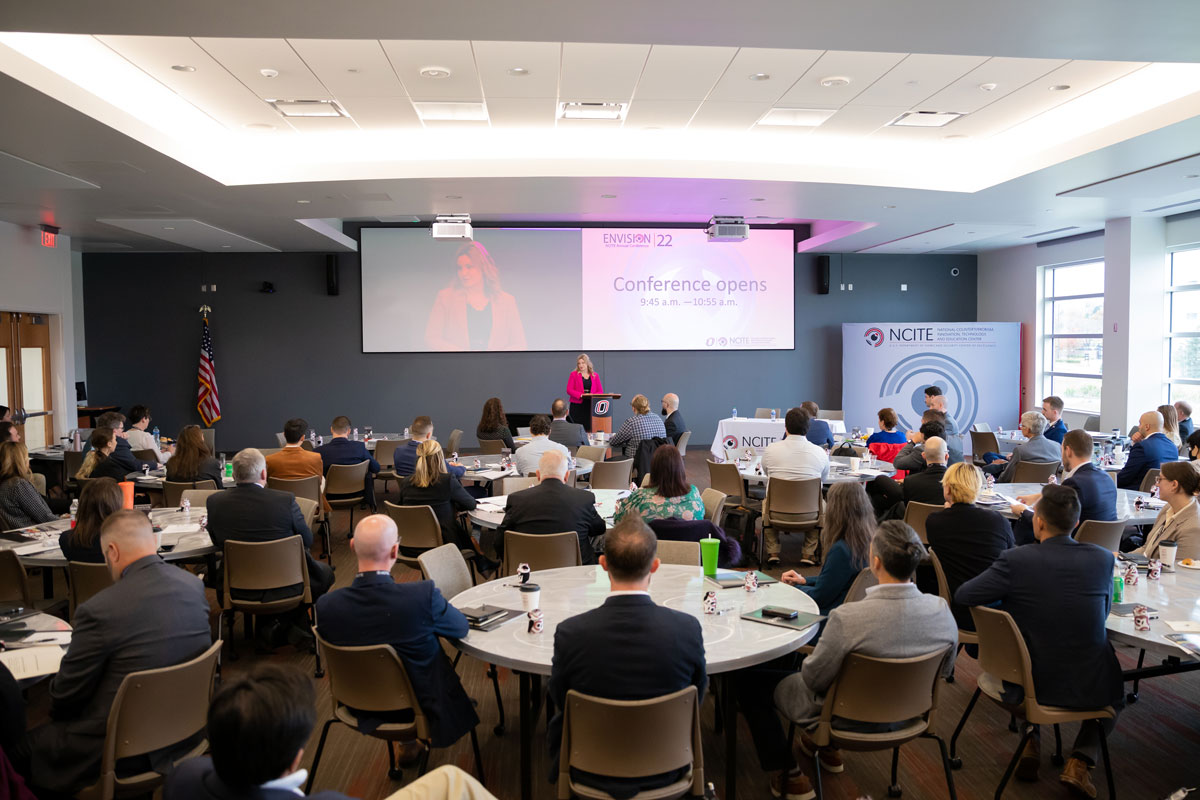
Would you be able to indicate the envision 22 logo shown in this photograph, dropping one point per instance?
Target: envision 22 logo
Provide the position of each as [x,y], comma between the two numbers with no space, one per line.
[909,377]
[874,337]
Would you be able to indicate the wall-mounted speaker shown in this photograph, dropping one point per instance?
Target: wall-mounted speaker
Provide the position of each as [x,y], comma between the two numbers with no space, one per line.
[332,279]
[822,265]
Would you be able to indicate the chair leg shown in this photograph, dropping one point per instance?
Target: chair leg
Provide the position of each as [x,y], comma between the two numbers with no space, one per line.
[478,757]
[945,765]
[816,774]
[894,788]
[495,676]
[231,618]
[424,763]
[394,772]
[1012,764]
[783,775]
[1132,697]
[312,773]
[718,716]
[457,657]
[1108,775]
[1012,723]
[954,760]
[1057,758]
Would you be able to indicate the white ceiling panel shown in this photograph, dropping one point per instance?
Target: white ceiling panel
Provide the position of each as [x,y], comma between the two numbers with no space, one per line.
[211,88]
[862,70]
[859,120]
[521,112]
[915,78]
[410,57]
[540,59]
[350,67]
[381,113]
[246,58]
[456,124]
[955,233]
[660,113]
[784,67]
[1008,74]
[728,115]
[682,73]
[601,72]
[191,233]
[322,124]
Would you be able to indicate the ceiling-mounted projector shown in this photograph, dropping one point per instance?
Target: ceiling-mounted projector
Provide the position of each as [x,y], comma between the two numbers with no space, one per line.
[451,226]
[728,229]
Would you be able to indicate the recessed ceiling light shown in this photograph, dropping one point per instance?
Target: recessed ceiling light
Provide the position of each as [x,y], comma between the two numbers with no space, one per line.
[797,117]
[834,82]
[518,72]
[988,87]
[267,72]
[608,197]
[304,202]
[308,108]
[354,70]
[435,72]
[259,126]
[454,197]
[1060,87]
[168,228]
[925,119]
[889,206]
[226,246]
[183,68]
[593,111]
[757,199]
[451,111]
[760,76]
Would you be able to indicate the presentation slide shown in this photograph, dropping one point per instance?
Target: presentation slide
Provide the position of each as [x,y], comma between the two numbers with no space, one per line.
[515,289]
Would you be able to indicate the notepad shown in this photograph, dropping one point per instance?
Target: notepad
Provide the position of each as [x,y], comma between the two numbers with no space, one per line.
[181,529]
[729,579]
[1184,625]
[32,662]
[48,637]
[801,621]
[36,547]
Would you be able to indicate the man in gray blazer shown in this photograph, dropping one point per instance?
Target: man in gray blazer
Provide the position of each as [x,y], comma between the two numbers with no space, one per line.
[566,433]
[1038,448]
[155,615]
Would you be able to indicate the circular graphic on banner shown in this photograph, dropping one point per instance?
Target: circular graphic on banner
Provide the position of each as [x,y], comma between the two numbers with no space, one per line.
[601,407]
[909,377]
[874,337]
[730,442]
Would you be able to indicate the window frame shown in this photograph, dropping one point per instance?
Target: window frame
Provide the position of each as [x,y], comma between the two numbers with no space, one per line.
[1171,335]
[1049,333]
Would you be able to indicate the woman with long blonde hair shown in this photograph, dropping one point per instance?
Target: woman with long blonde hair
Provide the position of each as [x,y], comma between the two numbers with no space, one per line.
[584,380]
[431,485]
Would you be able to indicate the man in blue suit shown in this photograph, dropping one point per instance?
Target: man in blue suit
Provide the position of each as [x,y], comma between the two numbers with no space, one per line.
[405,457]
[409,616]
[1097,492]
[819,432]
[1052,408]
[1059,593]
[1152,448]
[340,450]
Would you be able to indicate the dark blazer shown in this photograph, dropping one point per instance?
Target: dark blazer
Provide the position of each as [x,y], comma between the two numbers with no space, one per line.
[1059,593]
[341,450]
[196,779]
[250,513]
[155,616]
[819,433]
[123,456]
[112,468]
[1144,456]
[675,426]
[627,649]
[967,539]
[209,470]
[404,461]
[925,486]
[911,458]
[1097,493]
[409,616]
[78,552]
[446,497]
[1056,431]
[567,433]
[554,507]
[1185,429]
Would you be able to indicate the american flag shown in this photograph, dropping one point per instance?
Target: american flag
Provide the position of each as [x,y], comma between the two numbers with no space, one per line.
[207,401]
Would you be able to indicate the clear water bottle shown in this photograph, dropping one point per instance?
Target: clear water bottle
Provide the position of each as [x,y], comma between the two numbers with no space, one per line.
[222,463]
[74,510]
[320,441]
[1154,491]
[186,506]
[312,436]
[735,412]
[772,414]
[157,437]
[356,434]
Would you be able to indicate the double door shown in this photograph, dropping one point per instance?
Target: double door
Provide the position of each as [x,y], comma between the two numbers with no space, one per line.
[25,376]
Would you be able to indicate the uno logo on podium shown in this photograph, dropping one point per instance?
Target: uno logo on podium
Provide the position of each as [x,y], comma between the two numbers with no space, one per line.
[730,442]
[601,408]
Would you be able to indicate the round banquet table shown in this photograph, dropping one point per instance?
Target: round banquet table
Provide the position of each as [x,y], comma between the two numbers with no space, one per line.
[730,643]
[839,470]
[1126,509]
[187,540]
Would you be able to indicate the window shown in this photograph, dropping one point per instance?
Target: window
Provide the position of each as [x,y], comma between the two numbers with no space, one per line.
[1183,318]
[1073,345]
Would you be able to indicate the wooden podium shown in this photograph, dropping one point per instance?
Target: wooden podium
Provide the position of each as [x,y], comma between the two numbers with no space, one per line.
[600,408]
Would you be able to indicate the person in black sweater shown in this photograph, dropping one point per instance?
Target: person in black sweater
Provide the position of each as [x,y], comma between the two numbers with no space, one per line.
[431,485]
[493,424]
[99,499]
[99,461]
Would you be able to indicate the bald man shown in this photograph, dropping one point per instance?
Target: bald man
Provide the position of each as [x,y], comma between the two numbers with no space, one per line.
[409,616]
[1150,451]
[154,615]
[554,507]
[674,420]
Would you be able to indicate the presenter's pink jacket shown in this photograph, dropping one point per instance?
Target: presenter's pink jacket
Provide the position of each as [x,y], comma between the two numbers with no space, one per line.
[575,386]
[447,325]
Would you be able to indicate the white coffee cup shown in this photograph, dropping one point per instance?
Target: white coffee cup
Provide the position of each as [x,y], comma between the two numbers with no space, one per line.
[854,463]
[870,431]
[531,595]
[1166,552]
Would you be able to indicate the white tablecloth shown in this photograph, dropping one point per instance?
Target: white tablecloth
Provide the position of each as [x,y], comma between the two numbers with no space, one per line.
[755,434]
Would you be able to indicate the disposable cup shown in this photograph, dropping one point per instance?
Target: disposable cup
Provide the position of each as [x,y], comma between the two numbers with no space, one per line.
[531,596]
[708,555]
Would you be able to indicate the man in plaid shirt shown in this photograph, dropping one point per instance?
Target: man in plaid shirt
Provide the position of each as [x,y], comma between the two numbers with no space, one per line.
[642,425]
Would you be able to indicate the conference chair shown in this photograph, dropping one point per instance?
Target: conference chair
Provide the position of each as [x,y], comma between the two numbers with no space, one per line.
[983,441]
[791,506]
[385,450]
[765,413]
[882,691]
[831,413]
[198,498]
[419,530]
[269,451]
[491,447]
[682,444]
[280,438]
[725,479]
[1106,534]
[660,734]
[981,427]
[210,438]
[309,489]
[72,461]
[524,432]
[714,505]
[1092,423]
[1035,471]
[306,444]
[373,679]
[1004,657]
[85,580]
[146,455]
[915,515]
[349,480]
[261,567]
[453,442]
[611,474]
[510,485]
[685,553]
[965,637]
[14,583]
[540,551]
[152,708]
[173,490]
[448,570]
[858,590]
[1149,479]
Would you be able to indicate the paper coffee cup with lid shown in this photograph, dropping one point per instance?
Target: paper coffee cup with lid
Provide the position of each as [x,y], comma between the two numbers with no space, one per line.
[531,596]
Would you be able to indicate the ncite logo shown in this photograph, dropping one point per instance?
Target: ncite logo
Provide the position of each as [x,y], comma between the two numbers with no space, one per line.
[874,337]
[730,442]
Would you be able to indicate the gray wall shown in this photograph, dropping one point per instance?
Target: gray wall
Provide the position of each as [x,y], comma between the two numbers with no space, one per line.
[299,351]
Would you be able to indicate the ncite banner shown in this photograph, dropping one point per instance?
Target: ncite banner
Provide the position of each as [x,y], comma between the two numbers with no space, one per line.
[889,364]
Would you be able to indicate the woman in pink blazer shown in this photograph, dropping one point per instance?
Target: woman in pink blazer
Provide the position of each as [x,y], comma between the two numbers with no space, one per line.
[473,312]
[584,380]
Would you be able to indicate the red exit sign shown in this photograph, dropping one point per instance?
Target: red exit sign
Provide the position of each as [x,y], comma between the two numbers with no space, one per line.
[49,239]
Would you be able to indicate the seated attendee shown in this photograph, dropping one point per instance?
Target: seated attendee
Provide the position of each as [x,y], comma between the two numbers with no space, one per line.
[1192,445]
[819,432]
[966,538]
[920,486]
[530,454]
[410,616]
[99,500]
[123,454]
[1056,426]
[1170,427]
[936,401]
[629,648]
[340,450]
[9,432]
[642,425]
[926,486]
[493,424]
[155,615]
[258,724]
[1037,449]
[562,430]
[669,495]
[846,540]
[139,436]
[1183,410]
[794,458]
[404,459]
[1150,450]
[894,620]
[888,432]
[193,459]
[431,485]
[1096,490]
[911,457]
[1179,521]
[554,507]
[20,503]
[1073,664]
[673,420]
[292,461]
[99,463]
